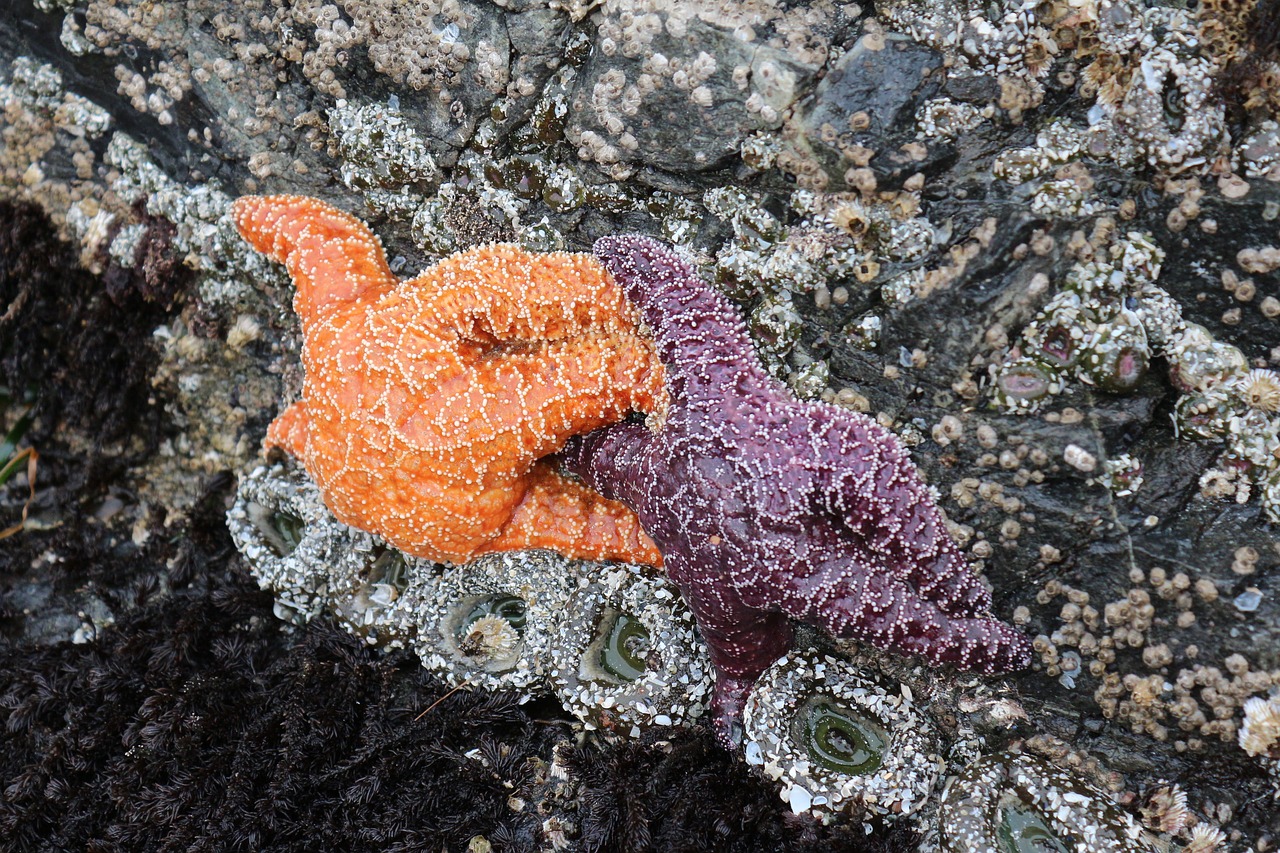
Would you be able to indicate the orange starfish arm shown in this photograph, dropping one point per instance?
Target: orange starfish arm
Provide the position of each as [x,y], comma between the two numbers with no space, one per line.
[501,293]
[333,258]
[289,431]
[546,342]
[563,515]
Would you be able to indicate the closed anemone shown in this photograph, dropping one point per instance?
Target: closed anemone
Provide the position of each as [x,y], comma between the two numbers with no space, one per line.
[1116,355]
[1058,347]
[840,740]
[367,600]
[1197,362]
[294,546]
[1202,414]
[1054,338]
[1013,803]
[1022,385]
[628,657]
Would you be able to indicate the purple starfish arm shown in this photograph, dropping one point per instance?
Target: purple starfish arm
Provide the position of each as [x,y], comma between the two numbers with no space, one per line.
[766,508]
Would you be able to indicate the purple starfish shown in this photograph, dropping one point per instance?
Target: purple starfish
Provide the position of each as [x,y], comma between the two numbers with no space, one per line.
[766,508]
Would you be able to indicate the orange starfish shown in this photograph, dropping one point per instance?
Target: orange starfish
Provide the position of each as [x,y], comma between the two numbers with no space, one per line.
[428,403]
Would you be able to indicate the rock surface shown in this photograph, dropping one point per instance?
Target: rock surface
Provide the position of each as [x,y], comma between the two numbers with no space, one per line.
[895,198]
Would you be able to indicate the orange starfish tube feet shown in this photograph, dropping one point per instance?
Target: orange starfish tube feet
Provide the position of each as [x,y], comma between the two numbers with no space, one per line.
[428,403]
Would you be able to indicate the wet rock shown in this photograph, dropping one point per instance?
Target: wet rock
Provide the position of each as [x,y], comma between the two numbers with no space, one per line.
[683,98]
[861,114]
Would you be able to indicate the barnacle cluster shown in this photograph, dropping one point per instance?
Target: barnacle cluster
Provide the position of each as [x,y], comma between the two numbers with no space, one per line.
[1103,327]
[1012,802]
[1225,400]
[614,642]
[1147,676]
[1100,328]
[1157,74]
[1155,98]
[1005,38]
[382,155]
[836,738]
[728,71]
[831,243]
[1260,735]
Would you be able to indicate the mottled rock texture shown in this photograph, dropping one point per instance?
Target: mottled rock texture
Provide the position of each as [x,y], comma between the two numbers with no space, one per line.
[888,246]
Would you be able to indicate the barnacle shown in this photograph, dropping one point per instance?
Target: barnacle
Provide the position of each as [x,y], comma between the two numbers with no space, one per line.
[1259,389]
[1204,839]
[838,740]
[1166,809]
[1260,734]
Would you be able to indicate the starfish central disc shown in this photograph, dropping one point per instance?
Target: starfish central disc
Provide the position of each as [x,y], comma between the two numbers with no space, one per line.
[428,403]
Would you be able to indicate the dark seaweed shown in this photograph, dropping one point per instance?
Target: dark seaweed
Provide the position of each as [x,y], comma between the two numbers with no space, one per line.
[198,723]
[686,794]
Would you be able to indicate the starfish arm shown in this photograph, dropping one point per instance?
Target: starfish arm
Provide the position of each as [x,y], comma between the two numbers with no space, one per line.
[289,431]
[742,641]
[548,335]
[700,337]
[502,294]
[561,515]
[333,258]
[618,462]
[886,612]
[875,491]
[575,386]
